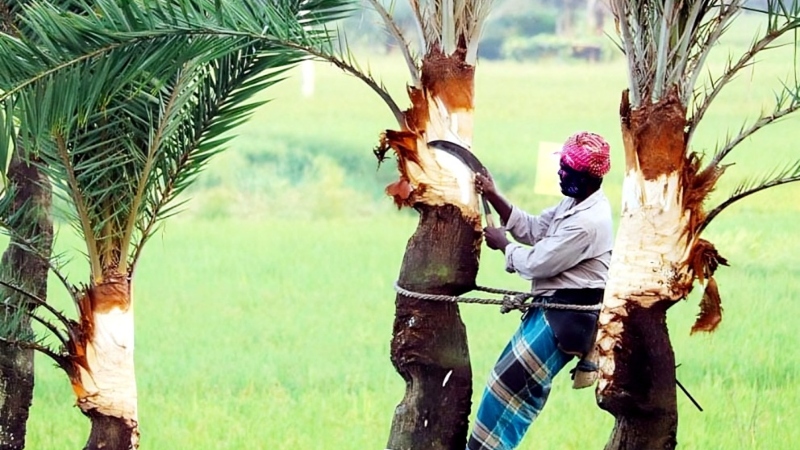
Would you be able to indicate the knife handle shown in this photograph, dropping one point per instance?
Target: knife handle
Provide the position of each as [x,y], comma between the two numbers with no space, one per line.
[487,212]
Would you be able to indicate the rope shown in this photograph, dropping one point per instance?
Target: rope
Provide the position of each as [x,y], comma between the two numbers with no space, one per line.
[511,299]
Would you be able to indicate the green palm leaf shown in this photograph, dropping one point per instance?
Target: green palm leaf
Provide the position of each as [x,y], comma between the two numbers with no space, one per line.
[126,102]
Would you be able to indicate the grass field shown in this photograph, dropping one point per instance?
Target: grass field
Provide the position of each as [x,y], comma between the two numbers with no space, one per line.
[264,312]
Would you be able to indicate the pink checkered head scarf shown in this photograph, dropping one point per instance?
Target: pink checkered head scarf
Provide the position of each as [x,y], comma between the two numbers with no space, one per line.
[587,152]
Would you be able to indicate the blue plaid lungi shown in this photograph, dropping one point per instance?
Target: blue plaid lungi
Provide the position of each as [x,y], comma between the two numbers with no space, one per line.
[518,385]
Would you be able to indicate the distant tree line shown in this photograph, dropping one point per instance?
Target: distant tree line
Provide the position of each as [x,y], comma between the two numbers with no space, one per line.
[516,29]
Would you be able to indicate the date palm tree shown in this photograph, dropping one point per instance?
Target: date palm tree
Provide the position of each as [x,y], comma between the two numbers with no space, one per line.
[429,341]
[124,103]
[24,268]
[659,252]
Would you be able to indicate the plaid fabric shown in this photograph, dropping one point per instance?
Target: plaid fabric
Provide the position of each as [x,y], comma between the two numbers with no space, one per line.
[518,385]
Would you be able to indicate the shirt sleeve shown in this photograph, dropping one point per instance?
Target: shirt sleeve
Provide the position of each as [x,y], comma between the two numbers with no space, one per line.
[526,228]
[551,255]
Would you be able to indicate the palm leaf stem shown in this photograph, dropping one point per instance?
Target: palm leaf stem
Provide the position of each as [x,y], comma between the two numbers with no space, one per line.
[448,29]
[391,25]
[38,301]
[760,123]
[740,195]
[351,69]
[634,93]
[687,37]
[42,321]
[662,51]
[726,14]
[82,210]
[155,143]
[744,61]
[59,359]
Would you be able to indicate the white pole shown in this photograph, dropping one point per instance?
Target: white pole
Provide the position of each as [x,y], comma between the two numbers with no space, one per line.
[307,73]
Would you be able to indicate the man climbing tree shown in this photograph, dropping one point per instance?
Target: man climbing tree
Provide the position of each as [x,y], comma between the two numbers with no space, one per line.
[566,253]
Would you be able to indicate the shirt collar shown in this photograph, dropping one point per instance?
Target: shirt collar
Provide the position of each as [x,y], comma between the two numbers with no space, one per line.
[590,201]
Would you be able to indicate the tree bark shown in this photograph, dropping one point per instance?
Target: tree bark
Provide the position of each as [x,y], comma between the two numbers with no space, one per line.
[642,397]
[32,192]
[429,343]
[111,433]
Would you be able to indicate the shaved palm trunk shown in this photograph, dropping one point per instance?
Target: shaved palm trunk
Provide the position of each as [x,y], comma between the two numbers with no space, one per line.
[650,270]
[429,343]
[103,372]
[26,270]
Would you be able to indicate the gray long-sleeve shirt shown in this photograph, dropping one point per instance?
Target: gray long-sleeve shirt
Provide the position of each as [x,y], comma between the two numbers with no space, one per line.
[571,245]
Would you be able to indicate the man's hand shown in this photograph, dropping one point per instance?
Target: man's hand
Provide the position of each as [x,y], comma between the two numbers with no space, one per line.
[484,184]
[496,238]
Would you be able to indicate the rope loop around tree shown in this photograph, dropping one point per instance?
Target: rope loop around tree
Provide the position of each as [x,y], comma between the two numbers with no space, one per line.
[511,299]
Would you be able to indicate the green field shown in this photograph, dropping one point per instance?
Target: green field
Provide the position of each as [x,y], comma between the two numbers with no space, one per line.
[264,312]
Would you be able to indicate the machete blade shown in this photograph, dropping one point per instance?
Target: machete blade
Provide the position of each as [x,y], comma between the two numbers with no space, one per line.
[472,162]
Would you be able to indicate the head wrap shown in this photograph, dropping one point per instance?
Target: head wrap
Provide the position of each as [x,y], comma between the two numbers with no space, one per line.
[587,152]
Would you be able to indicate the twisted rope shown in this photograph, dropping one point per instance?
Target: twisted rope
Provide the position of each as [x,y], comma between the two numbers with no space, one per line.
[511,299]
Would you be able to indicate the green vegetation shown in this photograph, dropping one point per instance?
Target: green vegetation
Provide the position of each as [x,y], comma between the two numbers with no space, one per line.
[264,314]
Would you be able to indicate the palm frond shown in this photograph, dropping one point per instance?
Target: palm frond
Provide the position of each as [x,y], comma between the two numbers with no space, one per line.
[220,101]
[667,42]
[346,61]
[775,30]
[127,101]
[787,101]
[39,346]
[446,24]
[22,311]
[63,40]
[394,30]
[788,174]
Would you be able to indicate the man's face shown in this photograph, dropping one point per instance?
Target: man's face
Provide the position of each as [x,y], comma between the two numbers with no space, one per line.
[571,182]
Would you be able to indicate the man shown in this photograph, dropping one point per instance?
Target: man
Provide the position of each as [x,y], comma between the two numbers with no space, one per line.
[565,252]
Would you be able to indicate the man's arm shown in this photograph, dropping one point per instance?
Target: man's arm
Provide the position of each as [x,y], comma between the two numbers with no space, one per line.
[551,255]
[524,227]
[527,228]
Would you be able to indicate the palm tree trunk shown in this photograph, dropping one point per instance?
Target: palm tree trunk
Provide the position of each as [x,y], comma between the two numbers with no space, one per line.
[637,383]
[25,270]
[21,268]
[429,344]
[109,432]
[429,341]
[103,376]
[649,272]
[642,398]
